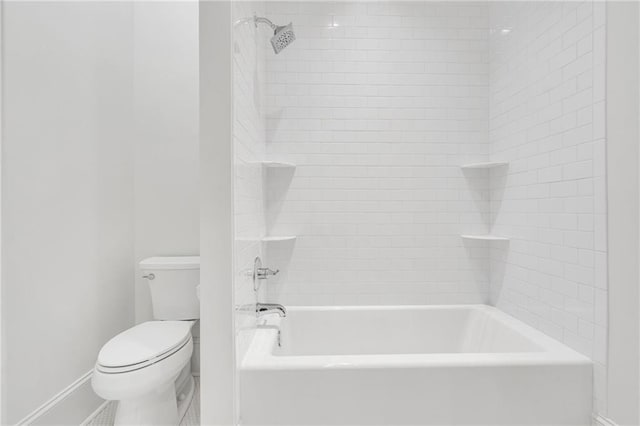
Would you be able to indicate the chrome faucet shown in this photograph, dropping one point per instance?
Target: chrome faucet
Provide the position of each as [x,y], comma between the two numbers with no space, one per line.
[270,308]
[264,273]
[260,274]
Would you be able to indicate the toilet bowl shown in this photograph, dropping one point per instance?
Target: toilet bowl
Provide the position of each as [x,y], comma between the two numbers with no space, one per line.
[147,370]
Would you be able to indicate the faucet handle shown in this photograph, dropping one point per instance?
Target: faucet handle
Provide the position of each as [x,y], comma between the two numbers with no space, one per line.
[264,273]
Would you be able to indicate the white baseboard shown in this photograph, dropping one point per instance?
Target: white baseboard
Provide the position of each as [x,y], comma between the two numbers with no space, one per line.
[72,405]
[599,420]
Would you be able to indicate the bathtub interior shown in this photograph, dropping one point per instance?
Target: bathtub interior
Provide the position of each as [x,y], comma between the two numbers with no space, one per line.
[409,330]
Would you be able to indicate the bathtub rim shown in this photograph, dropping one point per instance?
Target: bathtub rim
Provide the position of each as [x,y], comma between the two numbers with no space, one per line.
[260,357]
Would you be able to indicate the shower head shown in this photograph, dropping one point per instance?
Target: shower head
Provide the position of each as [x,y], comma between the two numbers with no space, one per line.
[283,36]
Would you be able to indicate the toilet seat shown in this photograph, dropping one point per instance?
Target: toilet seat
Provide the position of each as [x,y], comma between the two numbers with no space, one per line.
[143,345]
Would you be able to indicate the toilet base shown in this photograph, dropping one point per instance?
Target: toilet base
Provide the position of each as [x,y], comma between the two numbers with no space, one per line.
[185,388]
[164,406]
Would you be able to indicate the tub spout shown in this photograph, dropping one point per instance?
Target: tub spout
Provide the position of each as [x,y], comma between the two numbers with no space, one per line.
[270,308]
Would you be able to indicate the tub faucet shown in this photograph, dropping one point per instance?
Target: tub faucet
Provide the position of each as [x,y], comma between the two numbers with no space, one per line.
[270,308]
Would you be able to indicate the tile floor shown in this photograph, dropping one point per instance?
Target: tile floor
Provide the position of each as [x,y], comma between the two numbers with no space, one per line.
[191,418]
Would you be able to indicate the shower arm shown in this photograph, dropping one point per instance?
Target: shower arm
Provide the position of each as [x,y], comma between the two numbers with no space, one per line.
[259,20]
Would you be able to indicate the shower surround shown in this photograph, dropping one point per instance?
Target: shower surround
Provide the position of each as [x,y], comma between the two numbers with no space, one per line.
[378,105]
[547,118]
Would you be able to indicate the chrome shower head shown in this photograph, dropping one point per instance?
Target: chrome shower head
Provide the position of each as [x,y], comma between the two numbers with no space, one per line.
[283,36]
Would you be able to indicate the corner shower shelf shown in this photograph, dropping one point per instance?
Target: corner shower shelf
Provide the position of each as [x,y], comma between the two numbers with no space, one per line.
[485,165]
[485,237]
[278,165]
[279,239]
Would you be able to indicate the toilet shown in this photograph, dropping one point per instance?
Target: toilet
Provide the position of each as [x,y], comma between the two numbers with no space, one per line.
[147,368]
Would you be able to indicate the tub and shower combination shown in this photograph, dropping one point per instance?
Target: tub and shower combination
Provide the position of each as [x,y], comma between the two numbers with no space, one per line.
[410,365]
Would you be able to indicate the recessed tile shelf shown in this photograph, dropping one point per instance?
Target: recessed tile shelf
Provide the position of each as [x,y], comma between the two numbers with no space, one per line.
[486,165]
[485,237]
[278,165]
[278,239]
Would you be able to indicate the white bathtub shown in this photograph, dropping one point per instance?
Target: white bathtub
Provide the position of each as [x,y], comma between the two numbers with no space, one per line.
[410,365]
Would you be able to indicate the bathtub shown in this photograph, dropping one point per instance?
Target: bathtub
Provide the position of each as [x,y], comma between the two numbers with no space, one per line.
[410,365]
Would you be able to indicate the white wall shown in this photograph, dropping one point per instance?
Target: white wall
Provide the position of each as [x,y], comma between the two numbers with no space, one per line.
[67,207]
[547,120]
[622,158]
[218,373]
[166,167]
[378,104]
[1,133]
[166,135]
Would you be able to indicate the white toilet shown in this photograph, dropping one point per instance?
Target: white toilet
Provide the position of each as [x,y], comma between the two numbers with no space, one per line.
[147,368]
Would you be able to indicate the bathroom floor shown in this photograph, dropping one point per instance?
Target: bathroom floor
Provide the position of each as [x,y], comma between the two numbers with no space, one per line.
[191,418]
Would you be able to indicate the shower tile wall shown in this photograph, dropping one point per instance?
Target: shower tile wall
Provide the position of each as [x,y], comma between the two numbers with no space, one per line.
[378,104]
[249,150]
[547,119]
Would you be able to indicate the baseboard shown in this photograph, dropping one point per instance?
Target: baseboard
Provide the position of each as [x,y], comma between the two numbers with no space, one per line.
[599,420]
[70,406]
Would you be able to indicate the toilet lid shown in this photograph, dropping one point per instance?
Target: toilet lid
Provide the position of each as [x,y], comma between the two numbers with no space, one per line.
[144,342]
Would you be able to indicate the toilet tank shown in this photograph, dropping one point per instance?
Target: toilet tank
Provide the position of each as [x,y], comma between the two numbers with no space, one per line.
[173,281]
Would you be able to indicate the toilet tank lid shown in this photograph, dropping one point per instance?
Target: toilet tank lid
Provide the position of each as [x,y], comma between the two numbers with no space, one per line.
[171,262]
